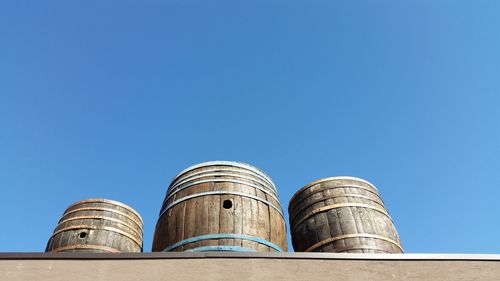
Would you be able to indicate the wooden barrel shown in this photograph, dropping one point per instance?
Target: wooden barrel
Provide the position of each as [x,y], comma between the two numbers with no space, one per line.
[341,214]
[98,226]
[221,206]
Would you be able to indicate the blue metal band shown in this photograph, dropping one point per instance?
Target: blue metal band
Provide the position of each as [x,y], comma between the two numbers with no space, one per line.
[221,248]
[223,236]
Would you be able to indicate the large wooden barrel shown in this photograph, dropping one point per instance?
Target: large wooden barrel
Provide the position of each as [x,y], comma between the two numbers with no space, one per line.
[341,214]
[98,226]
[221,206]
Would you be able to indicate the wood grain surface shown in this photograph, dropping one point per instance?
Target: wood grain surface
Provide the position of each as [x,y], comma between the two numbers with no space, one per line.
[99,226]
[221,206]
[341,214]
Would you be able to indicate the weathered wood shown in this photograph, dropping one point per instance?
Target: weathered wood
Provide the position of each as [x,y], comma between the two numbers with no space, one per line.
[228,206]
[341,214]
[98,225]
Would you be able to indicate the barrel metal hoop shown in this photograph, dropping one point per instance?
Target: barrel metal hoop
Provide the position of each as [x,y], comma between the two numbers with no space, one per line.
[290,205]
[102,218]
[219,192]
[105,210]
[112,202]
[87,246]
[219,170]
[221,248]
[346,236]
[217,175]
[334,179]
[230,164]
[107,228]
[336,206]
[220,180]
[333,197]
[345,249]
[223,236]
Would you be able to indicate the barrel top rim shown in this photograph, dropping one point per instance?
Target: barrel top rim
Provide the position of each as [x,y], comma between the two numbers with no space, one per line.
[331,179]
[227,163]
[103,200]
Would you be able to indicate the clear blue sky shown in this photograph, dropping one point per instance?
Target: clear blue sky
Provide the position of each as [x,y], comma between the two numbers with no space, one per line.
[113,98]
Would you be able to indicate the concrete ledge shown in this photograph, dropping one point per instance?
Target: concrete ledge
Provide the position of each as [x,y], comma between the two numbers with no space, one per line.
[234,255]
[219,266]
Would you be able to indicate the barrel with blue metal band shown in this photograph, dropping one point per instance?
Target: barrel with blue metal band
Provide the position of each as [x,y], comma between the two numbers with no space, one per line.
[221,206]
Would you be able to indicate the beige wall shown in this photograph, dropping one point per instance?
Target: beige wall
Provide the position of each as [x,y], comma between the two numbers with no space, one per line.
[252,268]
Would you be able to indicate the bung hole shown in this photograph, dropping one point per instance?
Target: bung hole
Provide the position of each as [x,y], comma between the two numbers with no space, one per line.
[227,204]
[83,234]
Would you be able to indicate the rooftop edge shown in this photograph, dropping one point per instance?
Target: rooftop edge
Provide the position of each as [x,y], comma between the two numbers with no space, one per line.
[210,255]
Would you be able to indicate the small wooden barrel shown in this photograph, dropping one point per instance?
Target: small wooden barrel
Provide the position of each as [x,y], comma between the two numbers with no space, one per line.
[341,214]
[98,226]
[221,206]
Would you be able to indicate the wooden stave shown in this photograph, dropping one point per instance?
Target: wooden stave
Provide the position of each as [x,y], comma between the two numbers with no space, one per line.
[217,171]
[221,198]
[97,212]
[237,173]
[331,183]
[323,235]
[104,209]
[225,167]
[315,229]
[106,203]
[279,231]
[244,188]
[101,221]
[334,193]
[101,237]
[333,179]
[99,226]
[233,177]
[294,239]
[102,213]
[86,248]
